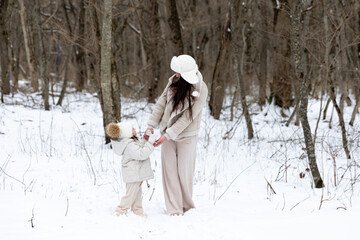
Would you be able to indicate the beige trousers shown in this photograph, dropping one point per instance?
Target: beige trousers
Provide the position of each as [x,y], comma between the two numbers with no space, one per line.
[132,199]
[178,165]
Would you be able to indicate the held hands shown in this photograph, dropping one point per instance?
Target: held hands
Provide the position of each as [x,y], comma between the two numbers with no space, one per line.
[147,136]
[159,141]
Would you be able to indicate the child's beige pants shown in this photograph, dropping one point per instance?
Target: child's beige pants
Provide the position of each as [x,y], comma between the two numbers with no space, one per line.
[132,199]
[178,165]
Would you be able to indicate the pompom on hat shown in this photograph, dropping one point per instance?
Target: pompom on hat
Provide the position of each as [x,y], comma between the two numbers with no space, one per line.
[186,66]
[119,130]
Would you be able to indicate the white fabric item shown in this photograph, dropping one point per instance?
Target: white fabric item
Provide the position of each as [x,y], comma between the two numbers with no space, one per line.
[195,94]
[178,165]
[131,200]
[126,130]
[186,66]
[136,166]
[153,138]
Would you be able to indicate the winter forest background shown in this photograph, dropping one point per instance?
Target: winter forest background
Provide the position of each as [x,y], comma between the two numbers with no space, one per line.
[279,145]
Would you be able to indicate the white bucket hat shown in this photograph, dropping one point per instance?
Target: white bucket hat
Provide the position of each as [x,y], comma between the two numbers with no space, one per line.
[186,66]
[126,129]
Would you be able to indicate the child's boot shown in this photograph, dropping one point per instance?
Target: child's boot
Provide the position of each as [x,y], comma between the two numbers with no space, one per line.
[120,211]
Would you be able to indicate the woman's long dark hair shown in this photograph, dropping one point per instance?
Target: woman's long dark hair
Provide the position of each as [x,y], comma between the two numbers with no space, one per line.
[135,138]
[182,90]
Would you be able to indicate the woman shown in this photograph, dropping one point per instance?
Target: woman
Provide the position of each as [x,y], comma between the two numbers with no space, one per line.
[178,115]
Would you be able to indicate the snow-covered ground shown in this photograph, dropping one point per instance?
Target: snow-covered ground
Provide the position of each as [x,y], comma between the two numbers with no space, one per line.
[59,181]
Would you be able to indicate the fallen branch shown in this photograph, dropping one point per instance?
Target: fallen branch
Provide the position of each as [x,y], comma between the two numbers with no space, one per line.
[17,180]
[233,181]
[32,219]
[269,186]
[299,203]
[67,206]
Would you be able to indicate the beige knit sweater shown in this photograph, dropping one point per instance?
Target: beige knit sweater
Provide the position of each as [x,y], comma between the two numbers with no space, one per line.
[178,124]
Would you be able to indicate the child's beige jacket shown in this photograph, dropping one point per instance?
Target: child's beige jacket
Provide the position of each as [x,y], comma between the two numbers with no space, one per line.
[136,165]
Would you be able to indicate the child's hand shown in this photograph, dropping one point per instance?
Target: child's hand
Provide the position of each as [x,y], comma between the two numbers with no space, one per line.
[159,141]
[146,136]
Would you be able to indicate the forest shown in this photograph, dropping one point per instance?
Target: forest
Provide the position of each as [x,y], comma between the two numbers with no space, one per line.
[284,92]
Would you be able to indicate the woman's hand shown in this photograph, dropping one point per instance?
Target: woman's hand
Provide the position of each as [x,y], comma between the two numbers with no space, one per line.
[146,136]
[159,141]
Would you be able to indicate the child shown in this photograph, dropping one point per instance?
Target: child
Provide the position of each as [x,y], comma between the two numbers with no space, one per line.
[135,164]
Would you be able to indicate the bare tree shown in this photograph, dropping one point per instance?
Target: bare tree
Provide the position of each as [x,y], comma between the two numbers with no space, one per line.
[43,58]
[4,47]
[28,45]
[355,112]
[297,10]
[281,91]
[330,67]
[147,14]
[69,53]
[109,105]
[14,43]
[175,27]
[239,62]
[263,56]
[81,76]
[153,55]
[217,90]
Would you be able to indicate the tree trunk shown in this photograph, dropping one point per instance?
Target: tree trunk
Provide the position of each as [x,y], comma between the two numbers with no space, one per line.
[70,50]
[4,49]
[263,73]
[65,82]
[343,74]
[295,112]
[217,91]
[116,89]
[281,91]
[296,53]
[28,45]
[68,56]
[109,110]
[175,27]
[341,118]
[355,111]
[80,53]
[329,66]
[11,54]
[239,63]
[43,63]
[87,29]
[16,66]
[150,39]
[94,56]
[153,54]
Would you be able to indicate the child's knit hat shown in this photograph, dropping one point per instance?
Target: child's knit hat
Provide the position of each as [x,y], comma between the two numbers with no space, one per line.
[119,130]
